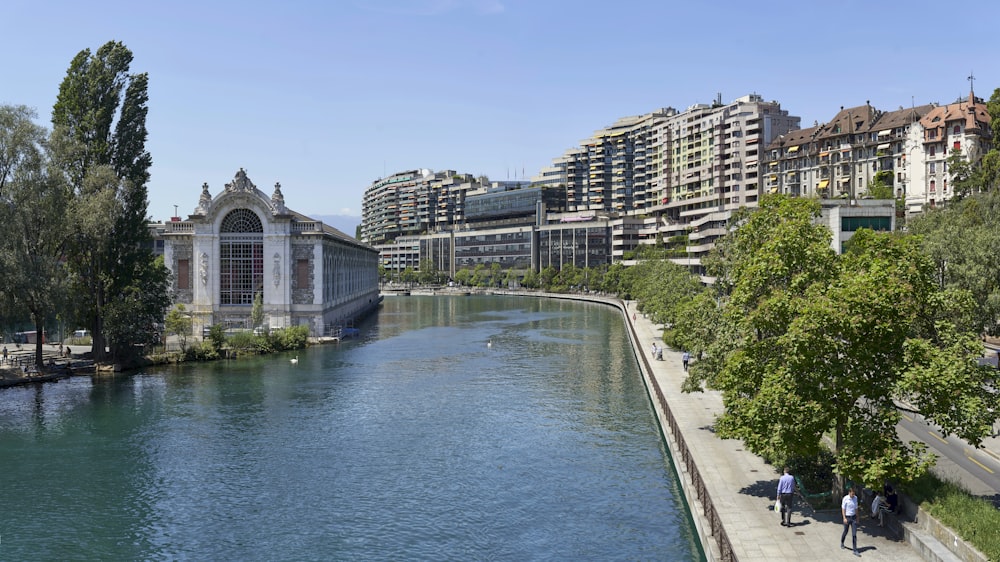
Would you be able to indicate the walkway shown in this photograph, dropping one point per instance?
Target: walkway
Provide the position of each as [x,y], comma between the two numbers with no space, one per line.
[742,487]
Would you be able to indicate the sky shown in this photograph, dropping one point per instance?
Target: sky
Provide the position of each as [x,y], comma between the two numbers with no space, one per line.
[327,97]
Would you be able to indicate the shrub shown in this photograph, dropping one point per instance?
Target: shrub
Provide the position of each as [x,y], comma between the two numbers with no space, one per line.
[244,343]
[204,351]
[295,337]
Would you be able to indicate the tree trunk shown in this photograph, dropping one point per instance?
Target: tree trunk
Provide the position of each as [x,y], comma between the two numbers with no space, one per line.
[838,478]
[39,337]
[97,329]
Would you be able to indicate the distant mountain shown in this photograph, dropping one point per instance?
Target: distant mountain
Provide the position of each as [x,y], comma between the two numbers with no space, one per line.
[345,223]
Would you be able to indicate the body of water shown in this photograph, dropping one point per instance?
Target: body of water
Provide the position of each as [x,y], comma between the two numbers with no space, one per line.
[455,428]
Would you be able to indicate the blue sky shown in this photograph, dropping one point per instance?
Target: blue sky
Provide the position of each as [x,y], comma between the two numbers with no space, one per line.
[326,97]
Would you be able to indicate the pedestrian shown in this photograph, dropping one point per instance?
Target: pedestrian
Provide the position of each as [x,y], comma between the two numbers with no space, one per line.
[849,509]
[5,354]
[879,508]
[786,490]
[686,358]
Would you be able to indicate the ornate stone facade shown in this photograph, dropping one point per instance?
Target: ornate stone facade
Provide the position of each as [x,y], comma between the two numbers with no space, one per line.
[242,243]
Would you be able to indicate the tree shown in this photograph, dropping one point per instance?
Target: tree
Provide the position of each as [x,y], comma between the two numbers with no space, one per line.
[809,343]
[881,185]
[428,273]
[530,280]
[495,275]
[99,122]
[257,311]
[408,276]
[660,286]
[133,316]
[33,235]
[960,240]
[178,322]
[964,179]
[381,275]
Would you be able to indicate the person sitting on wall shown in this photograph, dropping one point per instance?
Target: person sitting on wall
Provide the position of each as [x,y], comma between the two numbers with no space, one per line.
[891,499]
[879,508]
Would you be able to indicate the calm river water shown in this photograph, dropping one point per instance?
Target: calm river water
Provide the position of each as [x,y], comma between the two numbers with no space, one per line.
[455,428]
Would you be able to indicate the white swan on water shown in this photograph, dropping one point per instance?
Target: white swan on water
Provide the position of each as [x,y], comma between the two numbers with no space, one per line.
[294,359]
[489,343]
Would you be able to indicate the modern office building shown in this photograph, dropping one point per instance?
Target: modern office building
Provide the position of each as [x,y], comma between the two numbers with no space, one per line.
[241,243]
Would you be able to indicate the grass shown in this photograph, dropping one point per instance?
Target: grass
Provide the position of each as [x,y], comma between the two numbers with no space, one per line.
[974,519]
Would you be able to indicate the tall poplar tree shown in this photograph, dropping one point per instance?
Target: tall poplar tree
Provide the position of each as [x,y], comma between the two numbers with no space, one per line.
[99,122]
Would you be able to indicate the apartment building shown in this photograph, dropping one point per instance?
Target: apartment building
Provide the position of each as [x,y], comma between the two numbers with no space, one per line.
[675,174]
[414,202]
[963,126]
[840,158]
[615,170]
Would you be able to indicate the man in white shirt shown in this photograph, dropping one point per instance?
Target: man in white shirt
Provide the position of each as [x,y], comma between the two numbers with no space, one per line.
[849,509]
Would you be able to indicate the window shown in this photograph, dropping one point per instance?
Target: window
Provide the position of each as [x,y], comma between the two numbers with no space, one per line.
[933,186]
[241,258]
[957,129]
[933,167]
[851,224]
[302,274]
[183,271]
[932,150]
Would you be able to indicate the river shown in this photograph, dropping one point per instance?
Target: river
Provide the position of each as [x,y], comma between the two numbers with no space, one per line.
[454,428]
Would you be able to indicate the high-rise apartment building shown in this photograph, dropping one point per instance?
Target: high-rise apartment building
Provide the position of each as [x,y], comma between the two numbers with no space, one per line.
[683,171]
[413,202]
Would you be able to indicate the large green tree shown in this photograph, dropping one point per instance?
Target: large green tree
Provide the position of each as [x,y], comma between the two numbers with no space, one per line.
[809,343]
[33,202]
[961,240]
[99,121]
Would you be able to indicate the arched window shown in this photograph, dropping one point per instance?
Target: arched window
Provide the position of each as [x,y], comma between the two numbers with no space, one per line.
[241,258]
[241,221]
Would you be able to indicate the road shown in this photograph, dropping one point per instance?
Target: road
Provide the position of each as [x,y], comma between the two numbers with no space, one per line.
[978,470]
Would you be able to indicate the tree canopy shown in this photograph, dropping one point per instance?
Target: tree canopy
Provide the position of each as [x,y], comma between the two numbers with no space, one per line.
[808,343]
[33,234]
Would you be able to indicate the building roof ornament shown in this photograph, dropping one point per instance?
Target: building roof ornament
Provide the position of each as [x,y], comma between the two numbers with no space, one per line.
[241,183]
[278,200]
[205,202]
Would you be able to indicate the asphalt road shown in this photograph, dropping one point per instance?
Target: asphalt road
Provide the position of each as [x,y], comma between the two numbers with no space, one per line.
[978,470]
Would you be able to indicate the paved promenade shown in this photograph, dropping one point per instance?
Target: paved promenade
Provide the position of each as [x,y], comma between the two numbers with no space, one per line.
[742,487]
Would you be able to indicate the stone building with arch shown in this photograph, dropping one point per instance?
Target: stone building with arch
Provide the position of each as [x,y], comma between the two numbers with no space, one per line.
[242,243]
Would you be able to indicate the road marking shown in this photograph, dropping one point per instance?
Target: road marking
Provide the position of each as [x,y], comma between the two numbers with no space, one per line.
[936,436]
[908,418]
[981,465]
